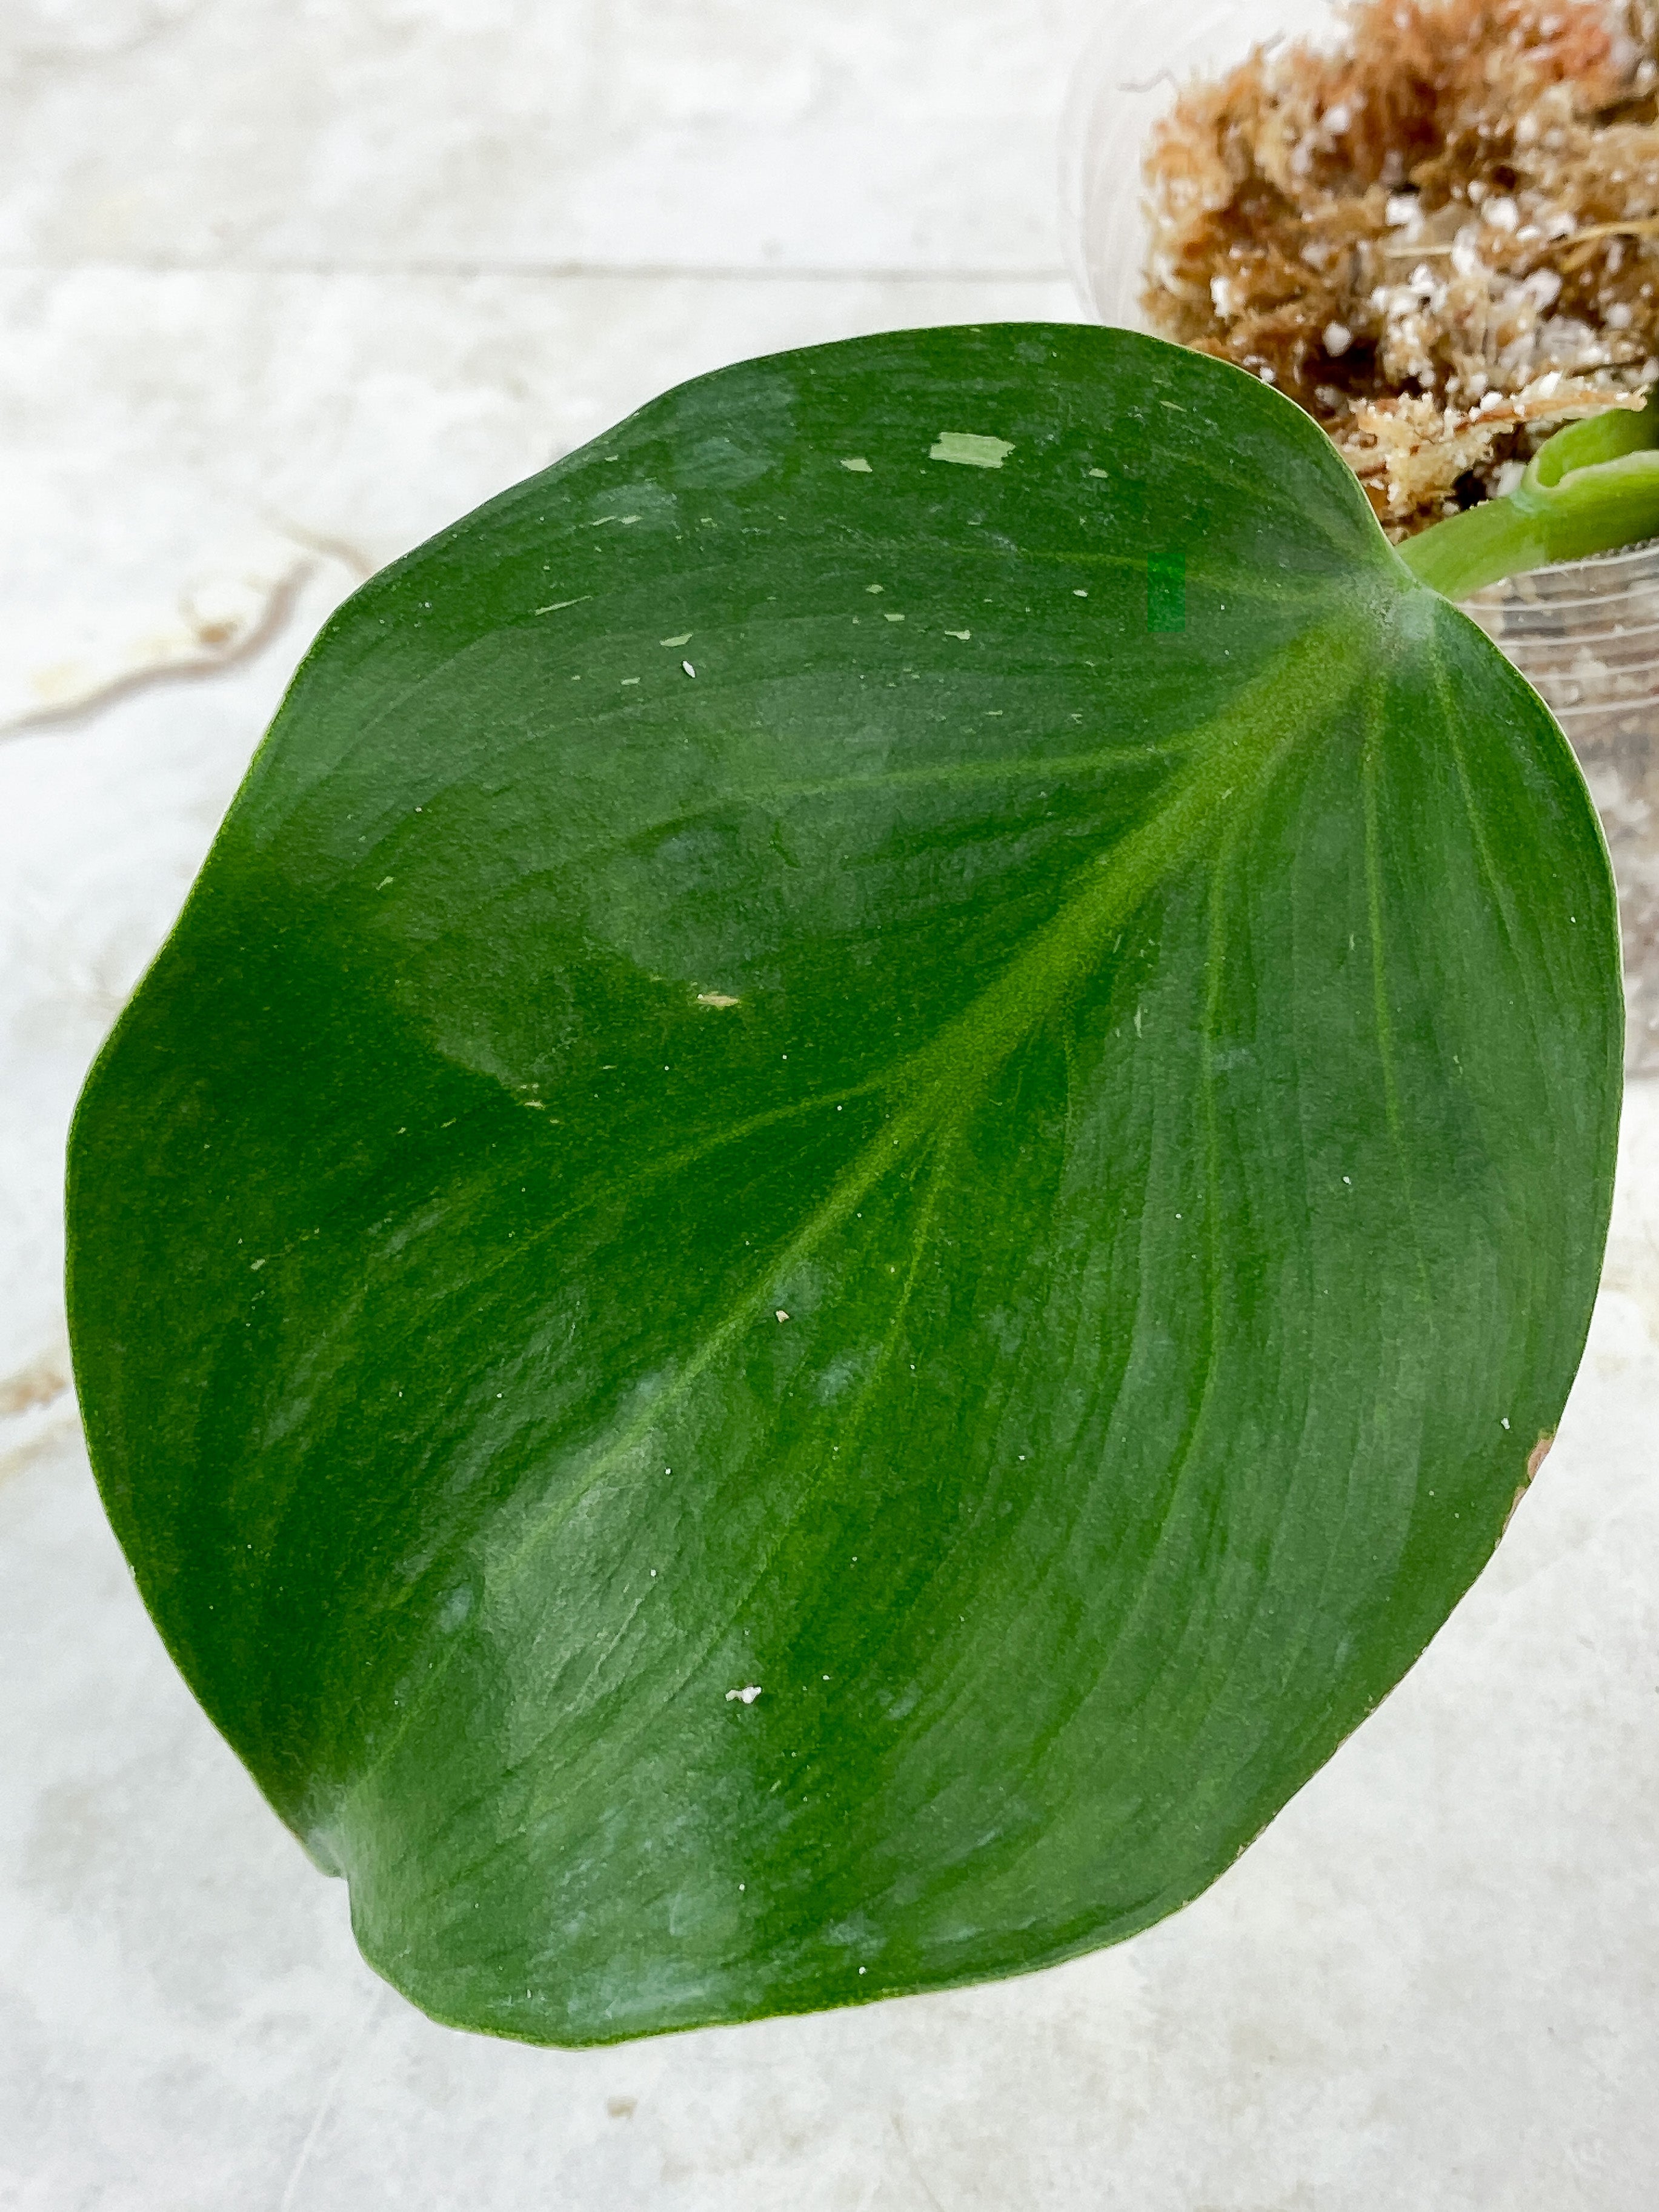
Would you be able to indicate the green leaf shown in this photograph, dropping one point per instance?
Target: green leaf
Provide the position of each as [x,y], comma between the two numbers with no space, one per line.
[821,1245]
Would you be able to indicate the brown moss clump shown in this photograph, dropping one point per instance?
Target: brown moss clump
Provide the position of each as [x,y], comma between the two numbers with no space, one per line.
[1441,238]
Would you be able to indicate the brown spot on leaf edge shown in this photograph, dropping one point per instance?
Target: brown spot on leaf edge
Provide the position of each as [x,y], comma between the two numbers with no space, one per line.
[1535,1458]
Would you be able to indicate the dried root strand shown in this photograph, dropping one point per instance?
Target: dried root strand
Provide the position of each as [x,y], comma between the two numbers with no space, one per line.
[1438,238]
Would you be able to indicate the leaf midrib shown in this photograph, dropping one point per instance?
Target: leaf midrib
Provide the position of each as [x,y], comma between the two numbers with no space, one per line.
[1305,683]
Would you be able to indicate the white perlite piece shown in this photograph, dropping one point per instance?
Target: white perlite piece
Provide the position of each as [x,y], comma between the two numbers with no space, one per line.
[748,1695]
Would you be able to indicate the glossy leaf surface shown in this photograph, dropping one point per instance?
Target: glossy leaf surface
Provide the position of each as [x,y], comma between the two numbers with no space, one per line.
[819,1246]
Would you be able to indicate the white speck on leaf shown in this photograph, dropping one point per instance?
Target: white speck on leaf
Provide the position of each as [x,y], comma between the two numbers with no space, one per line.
[688,669]
[553,607]
[892,617]
[684,638]
[780,1313]
[1505,1421]
[714,999]
[384,881]
[748,1693]
[858,464]
[958,633]
[875,587]
[1097,473]
[970,447]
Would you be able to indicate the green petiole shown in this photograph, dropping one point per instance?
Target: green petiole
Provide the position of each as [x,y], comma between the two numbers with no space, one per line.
[1590,489]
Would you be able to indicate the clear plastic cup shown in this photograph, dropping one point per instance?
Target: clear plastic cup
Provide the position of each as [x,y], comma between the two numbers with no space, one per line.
[1585,633]
[1127,80]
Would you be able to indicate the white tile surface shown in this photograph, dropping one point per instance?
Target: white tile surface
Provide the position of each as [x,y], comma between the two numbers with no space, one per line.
[809,134]
[277,303]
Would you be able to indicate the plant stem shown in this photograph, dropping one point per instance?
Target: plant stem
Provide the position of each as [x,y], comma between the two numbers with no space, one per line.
[1591,488]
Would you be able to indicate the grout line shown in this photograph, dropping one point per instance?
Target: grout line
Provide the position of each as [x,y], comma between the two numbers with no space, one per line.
[602,273]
